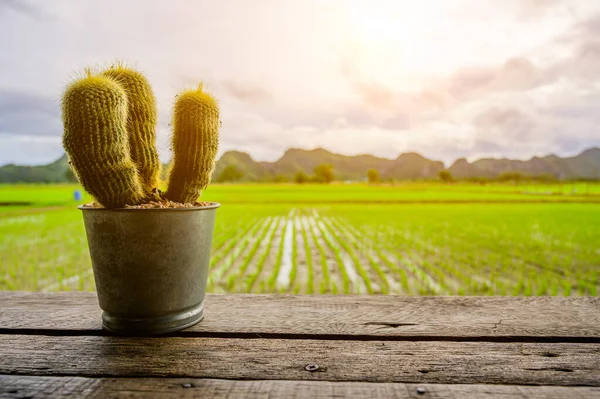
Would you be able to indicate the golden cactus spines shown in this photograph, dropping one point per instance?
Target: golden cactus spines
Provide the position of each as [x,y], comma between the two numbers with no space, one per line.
[141,124]
[195,144]
[94,113]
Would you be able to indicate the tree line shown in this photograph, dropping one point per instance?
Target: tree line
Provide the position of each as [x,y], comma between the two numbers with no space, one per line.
[324,174]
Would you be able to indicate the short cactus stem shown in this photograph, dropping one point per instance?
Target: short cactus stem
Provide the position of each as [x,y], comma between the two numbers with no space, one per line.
[195,144]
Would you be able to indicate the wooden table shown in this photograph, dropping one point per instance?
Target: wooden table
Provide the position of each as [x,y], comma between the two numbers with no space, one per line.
[52,345]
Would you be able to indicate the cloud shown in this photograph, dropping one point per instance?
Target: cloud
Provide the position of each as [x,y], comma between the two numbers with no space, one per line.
[506,122]
[516,74]
[371,93]
[23,7]
[536,8]
[247,92]
[29,150]
[29,114]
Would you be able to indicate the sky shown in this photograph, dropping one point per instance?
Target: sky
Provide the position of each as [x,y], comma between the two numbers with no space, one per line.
[445,78]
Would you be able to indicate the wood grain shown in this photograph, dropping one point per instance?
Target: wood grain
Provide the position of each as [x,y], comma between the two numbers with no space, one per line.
[81,387]
[367,361]
[571,319]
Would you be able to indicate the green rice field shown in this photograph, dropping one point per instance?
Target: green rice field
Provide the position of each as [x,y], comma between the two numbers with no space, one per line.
[408,239]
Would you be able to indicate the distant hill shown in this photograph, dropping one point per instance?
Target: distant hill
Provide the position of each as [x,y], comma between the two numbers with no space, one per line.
[585,165]
[408,166]
[251,169]
[51,173]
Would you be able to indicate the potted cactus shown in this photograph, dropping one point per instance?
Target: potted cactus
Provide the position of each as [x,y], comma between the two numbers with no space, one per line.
[150,249]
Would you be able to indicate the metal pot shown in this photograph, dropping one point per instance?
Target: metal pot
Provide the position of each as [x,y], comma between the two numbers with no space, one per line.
[150,266]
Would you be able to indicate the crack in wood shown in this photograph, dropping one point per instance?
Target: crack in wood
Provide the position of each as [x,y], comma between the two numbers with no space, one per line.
[562,369]
[499,323]
[391,325]
[320,337]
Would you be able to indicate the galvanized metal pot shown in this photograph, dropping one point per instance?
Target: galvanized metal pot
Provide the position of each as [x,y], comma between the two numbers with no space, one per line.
[150,266]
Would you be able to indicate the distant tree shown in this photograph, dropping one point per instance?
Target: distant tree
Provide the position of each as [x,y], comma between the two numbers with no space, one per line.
[280,179]
[70,176]
[544,178]
[515,177]
[373,175]
[300,177]
[445,176]
[230,173]
[324,173]
[478,179]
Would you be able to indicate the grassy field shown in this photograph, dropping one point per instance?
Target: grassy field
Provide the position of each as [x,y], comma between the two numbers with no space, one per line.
[412,238]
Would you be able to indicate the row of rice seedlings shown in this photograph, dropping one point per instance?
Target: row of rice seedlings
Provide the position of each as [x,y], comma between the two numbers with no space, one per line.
[271,283]
[513,264]
[482,275]
[440,260]
[473,265]
[425,253]
[504,275]
[61,259]
[33,246]
[427,285]
[243,230]
[325,284]
[386,276]
[283,277]
[241,270]
[385,257]
[217,275]
[225,235]
[341,267]
[444,266]
[252,277]
[520,248]
[294,271]
[310,284]
[225,250]
[400,273]
[500,268]
[437,261]
[353,255]
[466,277]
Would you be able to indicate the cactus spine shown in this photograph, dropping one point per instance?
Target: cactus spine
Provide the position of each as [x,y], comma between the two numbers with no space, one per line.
[195,144]
[141,124]
[94,112]
[110,132]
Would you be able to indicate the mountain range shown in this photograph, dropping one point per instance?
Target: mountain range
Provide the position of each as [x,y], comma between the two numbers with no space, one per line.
[410,166]
[407,166]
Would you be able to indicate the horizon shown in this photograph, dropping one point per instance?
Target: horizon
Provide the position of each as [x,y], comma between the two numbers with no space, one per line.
[445,79]
[446,165]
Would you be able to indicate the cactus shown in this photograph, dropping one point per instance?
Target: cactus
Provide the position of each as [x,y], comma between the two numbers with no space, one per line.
[109,135]
[94,112]
[141,124]
[195,144]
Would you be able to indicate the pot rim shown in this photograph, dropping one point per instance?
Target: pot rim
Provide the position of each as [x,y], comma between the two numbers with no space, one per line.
[213,205]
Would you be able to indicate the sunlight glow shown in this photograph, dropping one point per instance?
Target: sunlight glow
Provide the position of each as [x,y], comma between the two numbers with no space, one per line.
[398,37]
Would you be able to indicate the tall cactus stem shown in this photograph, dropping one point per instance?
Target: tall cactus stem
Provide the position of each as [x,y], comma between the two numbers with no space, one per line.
[141,124]
[94,112]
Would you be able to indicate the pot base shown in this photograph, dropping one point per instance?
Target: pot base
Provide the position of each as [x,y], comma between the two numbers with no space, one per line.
[153,325]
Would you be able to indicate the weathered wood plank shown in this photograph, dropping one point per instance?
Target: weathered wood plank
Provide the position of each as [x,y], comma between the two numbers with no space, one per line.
[368,361]
[81,387]
[367,316]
